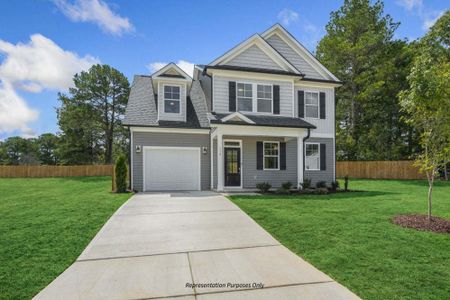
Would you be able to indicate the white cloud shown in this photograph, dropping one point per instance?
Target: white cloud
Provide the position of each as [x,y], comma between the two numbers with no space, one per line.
[40,64]
[417,7]
[97,12]
[410,4]
[287,16]
[14,112]
[186,66]
[431,18]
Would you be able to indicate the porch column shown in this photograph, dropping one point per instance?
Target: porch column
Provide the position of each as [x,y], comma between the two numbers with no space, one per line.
[220,162]
[299,161]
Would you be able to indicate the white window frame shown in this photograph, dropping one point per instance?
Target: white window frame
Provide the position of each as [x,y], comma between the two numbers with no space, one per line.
[164,99]
[264,155]
[318,154]
[246,98]
[318,104]
[271,99]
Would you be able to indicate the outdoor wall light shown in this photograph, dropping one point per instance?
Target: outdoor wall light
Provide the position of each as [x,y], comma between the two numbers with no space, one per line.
[205,150]
[138,148]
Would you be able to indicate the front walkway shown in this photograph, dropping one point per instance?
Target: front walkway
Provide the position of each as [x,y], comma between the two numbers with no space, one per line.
[157,245]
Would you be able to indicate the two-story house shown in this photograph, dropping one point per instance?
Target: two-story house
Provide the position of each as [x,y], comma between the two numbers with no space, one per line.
[262,112]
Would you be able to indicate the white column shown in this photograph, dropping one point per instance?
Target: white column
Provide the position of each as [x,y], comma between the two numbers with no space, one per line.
[299,161]
[211,155]
[220,162]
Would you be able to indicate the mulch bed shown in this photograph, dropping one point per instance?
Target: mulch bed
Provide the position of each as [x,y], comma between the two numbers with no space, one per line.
[421,222]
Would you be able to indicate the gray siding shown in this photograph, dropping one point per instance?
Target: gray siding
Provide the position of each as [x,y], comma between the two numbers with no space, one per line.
[170,140]
[214,152]
[328,174]
[254,57]
[220,96]
[205,82]
[300,63]
[252,176]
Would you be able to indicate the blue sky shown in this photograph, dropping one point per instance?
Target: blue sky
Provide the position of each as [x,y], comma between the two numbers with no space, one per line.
[43,43]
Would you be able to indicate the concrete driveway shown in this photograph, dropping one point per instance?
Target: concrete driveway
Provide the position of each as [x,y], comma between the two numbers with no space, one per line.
[196,245]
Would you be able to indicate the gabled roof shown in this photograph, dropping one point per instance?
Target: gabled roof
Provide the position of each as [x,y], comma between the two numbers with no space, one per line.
[171,70]
[299,48]
[258,41]
[236,117]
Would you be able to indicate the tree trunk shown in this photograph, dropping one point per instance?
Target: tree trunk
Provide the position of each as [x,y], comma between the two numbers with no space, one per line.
[430,191]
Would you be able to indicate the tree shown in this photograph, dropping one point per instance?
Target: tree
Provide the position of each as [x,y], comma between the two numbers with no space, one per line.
[427,101]
[359,49]
[121,174]
[19,151]
[48,149]
[90,117]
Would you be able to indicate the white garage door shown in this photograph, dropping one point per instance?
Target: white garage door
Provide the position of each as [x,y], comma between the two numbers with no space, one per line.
[171,168]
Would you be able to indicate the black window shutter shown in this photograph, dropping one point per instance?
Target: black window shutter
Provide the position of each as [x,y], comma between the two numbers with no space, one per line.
[276,99]
[282,156]
[301,104]
[259,155]
[323,157]
[322,105]
[232,96]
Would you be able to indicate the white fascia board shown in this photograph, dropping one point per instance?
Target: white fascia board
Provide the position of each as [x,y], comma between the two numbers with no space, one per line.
[169,130]
[316,84]
[237,115]
[322,135]
[298,47]
[262,44]
[169,66]
[250,75]
[242,130]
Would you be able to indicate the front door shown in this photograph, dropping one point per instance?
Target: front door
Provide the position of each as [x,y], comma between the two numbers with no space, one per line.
[232,166]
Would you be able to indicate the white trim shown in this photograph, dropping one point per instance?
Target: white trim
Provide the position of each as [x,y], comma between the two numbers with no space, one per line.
[268,131]
[133,151]
[237,97]
[169,130]
[257,40]
[250,75]
[301,50]
[164,98]
[315,84]
[169,66]
[318,104]
[322,135]
[241,172]
[211,157]
[220,162]
[300,159]
[264,155]
[264,99]
[198,149]
[293,99]
[239,115]
[318,149]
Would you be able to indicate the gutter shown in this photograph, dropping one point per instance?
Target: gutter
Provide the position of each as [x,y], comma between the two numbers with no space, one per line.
[304,139]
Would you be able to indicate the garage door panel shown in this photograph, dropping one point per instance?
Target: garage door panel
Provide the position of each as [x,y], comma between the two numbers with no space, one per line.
[172,169]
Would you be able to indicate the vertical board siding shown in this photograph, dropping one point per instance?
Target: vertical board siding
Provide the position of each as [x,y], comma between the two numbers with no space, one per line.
[326,175]
[301,64]
[170,140]
[221,97]
[254,57]
[378,169]
[55,171]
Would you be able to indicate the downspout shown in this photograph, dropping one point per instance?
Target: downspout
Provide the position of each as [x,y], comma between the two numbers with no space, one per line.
[303,158]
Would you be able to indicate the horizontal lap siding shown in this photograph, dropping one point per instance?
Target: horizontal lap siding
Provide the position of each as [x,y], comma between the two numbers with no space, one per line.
[252,176]
[221,99]
[328,174]
[254,57]
[293,57]
[170,140]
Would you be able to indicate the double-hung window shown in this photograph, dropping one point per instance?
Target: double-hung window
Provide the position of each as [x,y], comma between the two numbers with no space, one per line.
[311,105]
[172,98]
[271,155]
[265,97]
[312,156]
[244,97]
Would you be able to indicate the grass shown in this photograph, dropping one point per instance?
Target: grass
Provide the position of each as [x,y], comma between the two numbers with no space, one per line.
[350,236]
[45,224]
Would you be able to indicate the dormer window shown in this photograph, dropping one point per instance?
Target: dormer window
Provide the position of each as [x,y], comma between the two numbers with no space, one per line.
[172,99]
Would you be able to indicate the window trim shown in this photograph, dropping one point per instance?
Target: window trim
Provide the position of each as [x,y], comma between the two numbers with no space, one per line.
[164,98]
[318,154]
[264,156]
[271,99]
[318,104]
[241,162]
[247,98]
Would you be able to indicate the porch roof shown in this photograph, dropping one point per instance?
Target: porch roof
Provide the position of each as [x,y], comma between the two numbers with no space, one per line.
[262,120]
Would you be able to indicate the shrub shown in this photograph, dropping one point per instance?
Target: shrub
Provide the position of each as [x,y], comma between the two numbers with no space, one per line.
[321,184]
[263,187]
[321,191]
[121,174]
[346,183]
[334,185]
[306,184]
[286,186]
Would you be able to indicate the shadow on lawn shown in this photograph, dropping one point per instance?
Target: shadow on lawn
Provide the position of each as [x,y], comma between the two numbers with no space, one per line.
[340,196]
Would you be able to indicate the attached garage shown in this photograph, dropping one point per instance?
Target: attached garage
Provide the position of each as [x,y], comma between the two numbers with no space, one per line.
[171,168]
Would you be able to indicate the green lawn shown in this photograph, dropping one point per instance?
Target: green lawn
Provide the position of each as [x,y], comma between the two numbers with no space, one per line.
[350,237]
[45,223]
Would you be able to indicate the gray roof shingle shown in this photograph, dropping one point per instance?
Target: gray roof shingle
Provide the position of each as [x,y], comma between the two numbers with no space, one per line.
[262,120]
[141,108]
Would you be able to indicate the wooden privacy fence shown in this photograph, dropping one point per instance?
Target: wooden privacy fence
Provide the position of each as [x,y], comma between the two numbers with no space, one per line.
[400,169]
[56,171]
